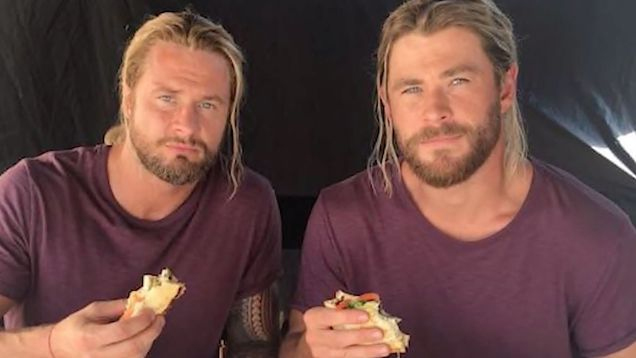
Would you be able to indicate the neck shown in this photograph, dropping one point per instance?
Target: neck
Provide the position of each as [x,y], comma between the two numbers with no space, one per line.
[476,207]
[138,191]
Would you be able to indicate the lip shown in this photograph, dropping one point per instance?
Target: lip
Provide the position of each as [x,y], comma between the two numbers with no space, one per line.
[184,148]
[442,140]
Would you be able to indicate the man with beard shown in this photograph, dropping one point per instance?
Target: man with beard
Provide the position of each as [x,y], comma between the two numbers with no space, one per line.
[481,251]
[84,225]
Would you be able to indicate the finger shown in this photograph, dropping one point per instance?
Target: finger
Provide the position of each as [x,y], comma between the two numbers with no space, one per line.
[360,351]
[135,346]
[322,317]
[104,311]
[343,338]
[122,330]
[369,351]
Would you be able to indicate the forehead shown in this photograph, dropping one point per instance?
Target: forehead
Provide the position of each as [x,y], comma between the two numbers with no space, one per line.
[177,65]
[438,51]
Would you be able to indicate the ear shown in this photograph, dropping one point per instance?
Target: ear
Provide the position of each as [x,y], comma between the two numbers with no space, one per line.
[508,92]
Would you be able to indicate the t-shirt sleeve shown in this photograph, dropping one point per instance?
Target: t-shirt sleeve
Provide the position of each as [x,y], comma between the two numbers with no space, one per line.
[605,323]
[321,269]
[15,206]
[264,265]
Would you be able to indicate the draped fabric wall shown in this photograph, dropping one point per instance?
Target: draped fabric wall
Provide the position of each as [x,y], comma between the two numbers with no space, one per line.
[308,118]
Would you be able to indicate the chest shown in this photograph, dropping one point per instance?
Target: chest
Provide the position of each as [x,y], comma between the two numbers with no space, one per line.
[457,302]
[96,253]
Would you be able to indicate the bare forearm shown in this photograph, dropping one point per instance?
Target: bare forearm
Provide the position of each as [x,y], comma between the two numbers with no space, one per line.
[28,343]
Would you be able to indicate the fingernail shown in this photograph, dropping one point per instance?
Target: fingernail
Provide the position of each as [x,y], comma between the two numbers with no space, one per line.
[362,318]
[376,335]
[383,351]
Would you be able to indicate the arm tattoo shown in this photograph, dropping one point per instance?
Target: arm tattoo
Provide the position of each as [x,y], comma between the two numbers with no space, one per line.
[253,328]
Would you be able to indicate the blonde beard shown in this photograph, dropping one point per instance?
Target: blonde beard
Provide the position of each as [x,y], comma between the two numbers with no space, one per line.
[445,171]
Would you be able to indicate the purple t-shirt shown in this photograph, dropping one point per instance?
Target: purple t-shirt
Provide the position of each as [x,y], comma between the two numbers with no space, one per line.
[65,242]
[557,281]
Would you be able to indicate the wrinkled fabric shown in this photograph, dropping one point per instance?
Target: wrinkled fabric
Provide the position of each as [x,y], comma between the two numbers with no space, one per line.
[308,118]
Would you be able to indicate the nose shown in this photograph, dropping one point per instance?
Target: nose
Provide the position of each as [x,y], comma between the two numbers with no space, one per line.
[436,106]
[185,121]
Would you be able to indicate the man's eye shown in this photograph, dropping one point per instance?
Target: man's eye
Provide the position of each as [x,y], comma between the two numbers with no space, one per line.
[165,98]
[412,90]
[207,105]
[458,81]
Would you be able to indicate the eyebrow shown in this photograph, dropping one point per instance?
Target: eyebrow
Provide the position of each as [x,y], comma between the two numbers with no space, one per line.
[406,82]
[214,98]
[451,72]
[164,88]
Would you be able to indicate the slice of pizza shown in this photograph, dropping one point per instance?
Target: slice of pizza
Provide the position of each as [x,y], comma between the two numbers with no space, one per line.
[370,302]
[157,293]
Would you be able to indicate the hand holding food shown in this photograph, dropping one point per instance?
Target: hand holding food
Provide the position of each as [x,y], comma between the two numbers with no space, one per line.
[97,331]
[370,303]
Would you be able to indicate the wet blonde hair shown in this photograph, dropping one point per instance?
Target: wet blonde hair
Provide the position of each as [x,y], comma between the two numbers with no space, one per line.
[195,32]
[495,32]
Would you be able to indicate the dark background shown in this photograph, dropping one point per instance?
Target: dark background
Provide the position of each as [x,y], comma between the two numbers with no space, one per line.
[308,120]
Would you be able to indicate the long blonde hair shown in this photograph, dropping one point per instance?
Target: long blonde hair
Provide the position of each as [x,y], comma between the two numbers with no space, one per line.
[495,31]
[196,32]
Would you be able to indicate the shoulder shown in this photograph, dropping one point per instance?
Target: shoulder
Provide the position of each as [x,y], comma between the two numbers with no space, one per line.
[359,203]
[254,184]
[60,163]
[590,228]
[15,191]
[24,186]
[364,192]
[15,175]
[360,190]
[595,243]
[49,164]
[254,197]
[254,188]
[572,200]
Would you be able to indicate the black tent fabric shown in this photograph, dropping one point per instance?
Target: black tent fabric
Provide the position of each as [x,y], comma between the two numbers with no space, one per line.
[308,117]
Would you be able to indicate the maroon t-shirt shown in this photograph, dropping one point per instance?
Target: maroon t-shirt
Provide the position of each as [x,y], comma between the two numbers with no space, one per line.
[65,242]
[557,281]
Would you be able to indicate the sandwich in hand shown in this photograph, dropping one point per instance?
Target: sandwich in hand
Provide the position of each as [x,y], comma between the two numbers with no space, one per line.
[157,293]
[370,302]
